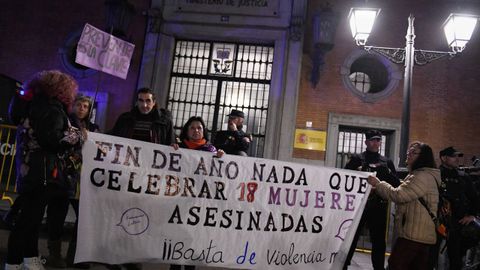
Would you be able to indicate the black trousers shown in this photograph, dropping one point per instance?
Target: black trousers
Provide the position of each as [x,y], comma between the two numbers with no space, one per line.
[455,248]
[375,218]
[23,238]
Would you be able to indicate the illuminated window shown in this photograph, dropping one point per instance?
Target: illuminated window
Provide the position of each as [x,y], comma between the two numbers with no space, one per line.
[209,79]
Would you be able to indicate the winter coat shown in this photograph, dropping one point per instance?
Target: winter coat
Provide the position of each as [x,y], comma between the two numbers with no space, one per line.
[43,139]
[412,220]
[458,189]
[231,141]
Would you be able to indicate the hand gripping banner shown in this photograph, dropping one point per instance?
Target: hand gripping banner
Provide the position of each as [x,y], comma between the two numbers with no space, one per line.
[143,202]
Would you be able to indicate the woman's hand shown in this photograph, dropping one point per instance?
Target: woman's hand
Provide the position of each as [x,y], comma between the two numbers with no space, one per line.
[175,146]
[220,153]
[373,180]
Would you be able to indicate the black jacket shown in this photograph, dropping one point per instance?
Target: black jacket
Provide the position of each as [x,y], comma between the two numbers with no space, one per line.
[92,127]
[43,139]
[231,141]
[460,192]
[373,161]
[161,129]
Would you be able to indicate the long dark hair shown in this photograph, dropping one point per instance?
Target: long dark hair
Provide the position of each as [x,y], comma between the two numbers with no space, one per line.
[425,158]
[184,133]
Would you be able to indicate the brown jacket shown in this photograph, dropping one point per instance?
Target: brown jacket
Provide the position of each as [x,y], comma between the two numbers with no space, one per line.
[412,220]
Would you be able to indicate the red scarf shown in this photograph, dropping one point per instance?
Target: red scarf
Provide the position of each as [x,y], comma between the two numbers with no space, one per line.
[195,144]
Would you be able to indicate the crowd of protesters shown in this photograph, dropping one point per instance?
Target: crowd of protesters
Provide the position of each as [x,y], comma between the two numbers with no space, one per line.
[48,164]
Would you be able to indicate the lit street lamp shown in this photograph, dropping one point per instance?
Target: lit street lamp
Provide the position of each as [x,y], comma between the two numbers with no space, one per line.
[458,29]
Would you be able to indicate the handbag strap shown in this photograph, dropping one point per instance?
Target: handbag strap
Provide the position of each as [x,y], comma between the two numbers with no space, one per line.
[424,203]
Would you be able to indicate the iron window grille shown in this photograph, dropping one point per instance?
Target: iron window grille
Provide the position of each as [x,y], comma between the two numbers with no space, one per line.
[209,79]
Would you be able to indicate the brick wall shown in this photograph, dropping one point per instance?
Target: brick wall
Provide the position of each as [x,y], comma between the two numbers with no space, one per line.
[445,100]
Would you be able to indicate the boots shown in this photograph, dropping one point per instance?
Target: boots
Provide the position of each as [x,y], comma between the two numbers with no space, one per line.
[54,258]
[13,266]
[33,263]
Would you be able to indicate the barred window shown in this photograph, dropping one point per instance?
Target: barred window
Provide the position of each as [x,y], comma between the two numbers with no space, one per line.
[351,141]
[209,79]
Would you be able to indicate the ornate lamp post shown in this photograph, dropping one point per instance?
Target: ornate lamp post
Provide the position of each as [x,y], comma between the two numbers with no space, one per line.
[458,29]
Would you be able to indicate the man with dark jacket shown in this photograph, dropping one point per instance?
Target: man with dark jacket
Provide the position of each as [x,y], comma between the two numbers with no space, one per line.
[375,213]
[458,190]
[145,122]
[233,140]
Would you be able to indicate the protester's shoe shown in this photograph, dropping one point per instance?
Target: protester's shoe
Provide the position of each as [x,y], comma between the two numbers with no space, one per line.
[54,258]
[33,263]
[13,266]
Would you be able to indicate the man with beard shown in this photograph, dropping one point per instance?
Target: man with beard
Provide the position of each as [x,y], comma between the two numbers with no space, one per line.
[145,123]
[234,140]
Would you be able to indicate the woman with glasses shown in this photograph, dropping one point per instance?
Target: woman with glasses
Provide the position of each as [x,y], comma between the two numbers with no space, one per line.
[416,230]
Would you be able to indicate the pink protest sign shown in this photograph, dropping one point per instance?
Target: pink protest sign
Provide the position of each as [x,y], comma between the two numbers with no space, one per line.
[103,51]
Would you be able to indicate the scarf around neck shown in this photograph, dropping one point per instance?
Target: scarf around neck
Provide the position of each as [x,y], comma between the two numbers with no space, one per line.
[194,144]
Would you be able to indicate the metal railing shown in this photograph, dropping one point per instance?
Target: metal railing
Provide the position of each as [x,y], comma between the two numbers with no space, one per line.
[7,162]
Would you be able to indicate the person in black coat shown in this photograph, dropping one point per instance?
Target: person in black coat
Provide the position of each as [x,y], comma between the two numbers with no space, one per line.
[458,189]
[234,140]
[375,213]
[43,138]
[145,122]
[80,118]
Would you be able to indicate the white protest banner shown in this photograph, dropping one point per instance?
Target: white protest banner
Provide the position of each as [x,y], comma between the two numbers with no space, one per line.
[105,52]
[143,202]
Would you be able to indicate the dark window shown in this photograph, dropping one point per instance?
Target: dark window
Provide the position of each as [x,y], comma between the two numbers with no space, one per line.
[369,76]
[209,79]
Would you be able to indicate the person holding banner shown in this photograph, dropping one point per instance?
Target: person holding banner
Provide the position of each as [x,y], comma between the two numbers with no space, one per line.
[194,136]
[376,209]
[145,122]
[416,230]
[80,118]
[43,138]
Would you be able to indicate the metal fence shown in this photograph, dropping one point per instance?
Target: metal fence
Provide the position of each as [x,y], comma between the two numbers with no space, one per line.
[7,162]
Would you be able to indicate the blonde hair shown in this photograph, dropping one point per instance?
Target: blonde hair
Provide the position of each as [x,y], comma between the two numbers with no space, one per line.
[84,98]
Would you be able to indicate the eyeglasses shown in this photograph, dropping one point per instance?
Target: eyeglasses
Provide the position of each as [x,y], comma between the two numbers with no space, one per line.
[412,153]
